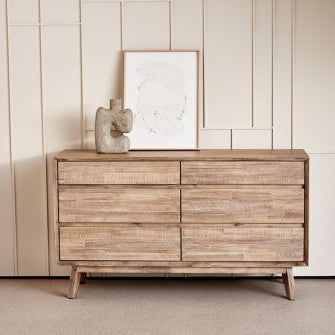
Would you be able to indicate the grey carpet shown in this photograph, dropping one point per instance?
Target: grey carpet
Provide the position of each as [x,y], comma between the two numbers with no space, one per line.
[167,306]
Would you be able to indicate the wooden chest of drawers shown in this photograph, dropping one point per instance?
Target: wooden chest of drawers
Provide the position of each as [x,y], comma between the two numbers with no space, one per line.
[205,211]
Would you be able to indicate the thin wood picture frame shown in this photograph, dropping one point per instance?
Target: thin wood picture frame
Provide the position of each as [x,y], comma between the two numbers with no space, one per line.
[165,102]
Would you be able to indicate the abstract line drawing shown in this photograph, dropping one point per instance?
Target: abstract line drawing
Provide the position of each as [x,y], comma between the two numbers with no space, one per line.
[161,90]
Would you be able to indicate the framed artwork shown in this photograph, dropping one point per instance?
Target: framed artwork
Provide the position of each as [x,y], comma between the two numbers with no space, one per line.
[161,88]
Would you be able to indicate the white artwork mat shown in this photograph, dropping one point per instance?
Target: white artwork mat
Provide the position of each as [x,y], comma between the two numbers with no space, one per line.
[161,88]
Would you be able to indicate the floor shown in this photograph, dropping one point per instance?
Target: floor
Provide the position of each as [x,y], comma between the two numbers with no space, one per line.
[167,306]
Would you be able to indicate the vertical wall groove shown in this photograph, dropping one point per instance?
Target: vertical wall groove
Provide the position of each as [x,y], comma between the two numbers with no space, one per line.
[170,26]
[40,27]
[12,166]
[273,7]
[253,37]
[82,111]
[286,111]
[203,65]
[292,68]
[121,26]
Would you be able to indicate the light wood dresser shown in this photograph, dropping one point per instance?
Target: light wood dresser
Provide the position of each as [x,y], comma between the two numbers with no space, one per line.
[204,211]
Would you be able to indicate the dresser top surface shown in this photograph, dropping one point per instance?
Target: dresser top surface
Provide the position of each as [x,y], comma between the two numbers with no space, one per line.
[173,155]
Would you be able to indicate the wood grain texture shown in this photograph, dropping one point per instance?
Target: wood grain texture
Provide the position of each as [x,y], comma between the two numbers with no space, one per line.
[225,225]
[118,204]
[277,205]
[161,269]
[119,172]
[187,264]
[289,284]
[173,155]
[214,243]
[205,172]
[237,186]
[53,210]
[242,215]
[306,204]
[74,283]
[121,242]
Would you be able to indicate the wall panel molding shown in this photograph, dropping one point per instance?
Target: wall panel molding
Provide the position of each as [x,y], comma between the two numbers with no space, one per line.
[66,11]
[262,63]
[23,11]
[146,25]
[228,62]
[102,58]
[251,139]
[282,74]
[266,80]
[8,262]
[28,151]
[186,24]
[314,75]
[61,102]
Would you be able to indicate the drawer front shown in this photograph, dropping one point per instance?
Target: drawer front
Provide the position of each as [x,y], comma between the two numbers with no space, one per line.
[120,242]
[225,205]
[118,204]
[203,172]
[118,172]
[202,242]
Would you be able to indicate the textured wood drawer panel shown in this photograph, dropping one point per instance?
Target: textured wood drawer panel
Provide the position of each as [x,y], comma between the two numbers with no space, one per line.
[204,172]
[268,205]
[121,242]
[119,172]
[118,204]
[215,243]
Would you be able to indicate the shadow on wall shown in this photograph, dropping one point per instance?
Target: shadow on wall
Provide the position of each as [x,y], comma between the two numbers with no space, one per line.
[7,230]
[62,128]
[30,226]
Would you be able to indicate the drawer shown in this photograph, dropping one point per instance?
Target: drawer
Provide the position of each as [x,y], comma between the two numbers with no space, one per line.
[243,205]
[202,242]
[204,172]
[120,242]
[118,204]
[119,172]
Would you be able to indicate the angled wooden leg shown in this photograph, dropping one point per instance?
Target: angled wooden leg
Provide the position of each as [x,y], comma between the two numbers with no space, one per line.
[83,278]
[289,284]
[74,283]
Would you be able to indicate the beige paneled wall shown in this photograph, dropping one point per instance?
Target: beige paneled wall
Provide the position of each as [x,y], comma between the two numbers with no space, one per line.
[282,73]
[7,210]
[314,75]
[313,117]
[228,36]
[267,80]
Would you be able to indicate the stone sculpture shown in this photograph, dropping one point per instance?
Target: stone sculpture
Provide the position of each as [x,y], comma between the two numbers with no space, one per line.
[110,124]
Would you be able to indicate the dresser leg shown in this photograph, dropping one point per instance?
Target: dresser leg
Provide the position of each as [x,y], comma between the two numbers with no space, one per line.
[74,283]
[83,278]
[289,284]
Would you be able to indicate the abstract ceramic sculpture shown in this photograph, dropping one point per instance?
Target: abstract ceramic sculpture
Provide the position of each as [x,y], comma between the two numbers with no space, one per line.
[110,124]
